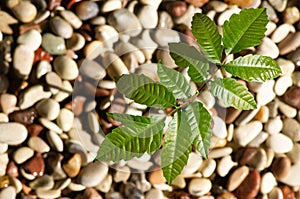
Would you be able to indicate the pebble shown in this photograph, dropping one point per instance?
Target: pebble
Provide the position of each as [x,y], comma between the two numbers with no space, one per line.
[122,174]
[266,93]
[65,67]
[287,192]
[218,6]
[73,165]
[227,14]
[268,182]
[164,36]
[244,134]
[291,15]
[8,193]
[4,159]
[54,167]
[231,115]
[290,43]
[294,154]
[220,152]
[291,128]
[268,48]
[106,34]
[176,8]
[282,84]
[219,128]
[154,193]
[92,69]
[271,26]
[93,174]
[199,186]
[125,22]
[50,125]
[263,114]
[35,166]
[250,186]
[60,27]
[280,143]
[146,12]
[282,32]
[115,67]
[154,3]
[280,167]
[105,185]
[8,102]
[65,119]
[276,193]
[208,167]
[43,68]
[23,60]
[139,164]
[237,177]
[76,187]
[86,10]
[156,177]
[25,11]
[287,110]
[45,194]
[179,182]
[291,97]
[48,108]
[76,42]
[44,182]
[225,165]
[71,18]
[53,81]
[6,20]
[293,176]
[279,5]
[3,83]
[260,160]
[31,38]
[287,66]
[66,92]
[54,45]
[3,147]
[164,20]
[91,194]
[38,144]
[193,164]
[22,154]
[125,48]
[12,133]
[274,125]
[55,141]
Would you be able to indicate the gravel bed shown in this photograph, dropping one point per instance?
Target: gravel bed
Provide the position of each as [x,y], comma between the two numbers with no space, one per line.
[59,59]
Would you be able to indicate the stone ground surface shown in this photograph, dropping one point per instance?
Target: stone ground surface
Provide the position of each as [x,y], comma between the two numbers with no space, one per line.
[58,62]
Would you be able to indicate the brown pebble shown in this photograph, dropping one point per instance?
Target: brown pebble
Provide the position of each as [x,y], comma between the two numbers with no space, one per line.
[287,192]
[250,186]
[197,3]
[34,129]
[292,97]
[248,154]
[87,10]
[4,181]
[25,116]
[280,167]
[12,169]
[91,193]
[72,167]
[77,104]
[226,195]
[176,8]
[40,54]
[36,166]
[53,4]
[156,177]
[242,3]
[231,114]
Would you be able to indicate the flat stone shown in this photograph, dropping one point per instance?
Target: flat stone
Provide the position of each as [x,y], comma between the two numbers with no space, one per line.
[287,110]
[106,34]
[25,11]
[294,154]
[105,185]
[237,177]
[179,182]
[146,12]
[291,15]
[220,152]
[208,167]
[219,128]
[44,182]
[65,67]
[193,164]
[290,43]
[31,38]
[93,174]
[73,165]
[280,143]
[291,97]
[268,182]
[92,69]
[293,176]
[199,186]
[50,125]
[66,92]
[23,60]
[265,93]
[55,141]
[22,154]
[287,66]
[291,128]
[282,84]
[8,193]
[60,27]
[48,108]
[227,14]
[71,18]
[53,81]
[54,45]
[282,32]
[274,125]
[12,133]
[86,10]
[38,144]
[250,186]
[280,167]
[268,48]
[246,133]
[109,6]
[65,119]
[164,36]
[279,5]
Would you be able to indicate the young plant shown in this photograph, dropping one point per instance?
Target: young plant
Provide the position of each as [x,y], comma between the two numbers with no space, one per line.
[191,121]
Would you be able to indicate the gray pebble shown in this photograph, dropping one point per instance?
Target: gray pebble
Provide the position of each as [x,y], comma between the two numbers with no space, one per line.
[44,182]
[93,174]
[165,36]
[71,18]
[87,9]
[60,27]
[76,42]
[92,69]
[145,13]
[53,44]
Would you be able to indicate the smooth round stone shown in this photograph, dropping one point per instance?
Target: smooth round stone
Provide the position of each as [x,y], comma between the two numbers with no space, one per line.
[12,133]
[291,128]
[291,97]
[218,6]
[3,147]
[23,60]
[115,67]
[237,177]
[291,15]
[271,26]
[98,20]
[66,92]
[187,17]
[282,84]
[31,38]
[8,193]
[44,182]
[4,117]
[125,48]
[71,18]
[25,11]
[164,36]
[263,114]
[246,133]
[268,48]
[73,165]
[4,160]
[125,22]
[54,45]
[122,174]
[93,49]
[16,183]
[22,154]
[46,194]
[107,84]
[93,174]
[274,125]
[290,43]
[294,154]
[287,110]
[250,186]
[280,167]
[227,14]
[112,5]
[86,10]
[8,103]
[76,42]
[179,182]
[164,20]
[154,3]
[296,78]
[268,182]
[55,141]
[65,119]
[50,125]
[199,186]
[208,167]
[93,122]
[219,128]
[106,34]
[43,68]
[48,108]
[65,67]
[276,193]
[105,185]
[293,176]
[92,69]
[279,5]
[154,193]
[282,32]
[193,164]
[287,66]
[225,165]
[280,143]
[140,165]
[53,81]
[145,13]
[38,144]
[260,160]
[61,27]
[220,152]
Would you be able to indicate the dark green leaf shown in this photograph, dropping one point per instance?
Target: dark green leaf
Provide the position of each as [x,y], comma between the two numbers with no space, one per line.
[244,30]
[208,37]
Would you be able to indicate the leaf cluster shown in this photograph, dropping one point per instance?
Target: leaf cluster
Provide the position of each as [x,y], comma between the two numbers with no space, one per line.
[191,121]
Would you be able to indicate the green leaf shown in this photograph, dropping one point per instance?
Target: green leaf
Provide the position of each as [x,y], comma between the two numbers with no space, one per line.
[208,37]
[187,56]
[199,119]
[143,90]
[174,81]
[254,68]
[244,30]
[132,140]
[177,146]
[232,93]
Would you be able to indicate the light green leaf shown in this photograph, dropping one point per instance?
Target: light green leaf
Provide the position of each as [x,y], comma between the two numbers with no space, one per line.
[177,146]
[132,140]
[244,30]
[254,68]
[199,119]
[143,90]
[187,56]
[208,37]
[232,93]
[174,81]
